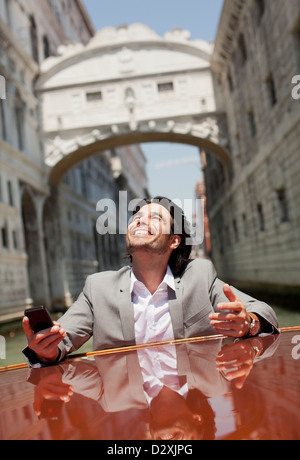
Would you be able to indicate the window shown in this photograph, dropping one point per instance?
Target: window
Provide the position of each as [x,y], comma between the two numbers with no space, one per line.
[94,97]
[235,231]
[34,39]
[296,48]
[15,239]
[252,124]
[4,236]
[10,193]
[46,47]
[230,82]
[242,49]
[260,10]
[165,87]
[2,122]
[245,226]
[19,112]
[271,89]
[129,94]
[282,206]
[261,219]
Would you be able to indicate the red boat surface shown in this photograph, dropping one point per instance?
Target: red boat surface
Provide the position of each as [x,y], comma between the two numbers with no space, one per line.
[205,388]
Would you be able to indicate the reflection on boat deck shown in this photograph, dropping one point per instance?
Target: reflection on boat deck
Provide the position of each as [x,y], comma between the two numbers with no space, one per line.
[208,389]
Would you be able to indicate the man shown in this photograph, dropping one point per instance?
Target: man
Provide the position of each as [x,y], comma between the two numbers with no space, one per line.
[164,296]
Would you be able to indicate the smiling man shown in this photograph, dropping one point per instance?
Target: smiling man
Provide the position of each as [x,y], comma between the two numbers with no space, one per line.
[162,296]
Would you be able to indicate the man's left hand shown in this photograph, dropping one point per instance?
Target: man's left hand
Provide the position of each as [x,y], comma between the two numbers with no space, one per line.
[234,320]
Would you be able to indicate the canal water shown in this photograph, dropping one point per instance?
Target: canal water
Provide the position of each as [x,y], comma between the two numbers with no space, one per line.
[15,341]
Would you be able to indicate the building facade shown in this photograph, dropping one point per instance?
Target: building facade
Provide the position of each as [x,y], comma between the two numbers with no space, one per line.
[48,242]
[254,206]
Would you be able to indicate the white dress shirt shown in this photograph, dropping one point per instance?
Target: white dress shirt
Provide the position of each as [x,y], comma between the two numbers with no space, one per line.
[152,318]
[152,321]
[159,369]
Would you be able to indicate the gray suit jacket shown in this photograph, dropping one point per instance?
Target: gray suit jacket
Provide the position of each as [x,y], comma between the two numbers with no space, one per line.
[104,309]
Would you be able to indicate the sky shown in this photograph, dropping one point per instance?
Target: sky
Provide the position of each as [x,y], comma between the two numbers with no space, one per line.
[200,17]
[172,169]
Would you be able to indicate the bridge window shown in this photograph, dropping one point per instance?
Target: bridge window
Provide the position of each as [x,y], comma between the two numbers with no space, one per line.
[165,87]
[94,97]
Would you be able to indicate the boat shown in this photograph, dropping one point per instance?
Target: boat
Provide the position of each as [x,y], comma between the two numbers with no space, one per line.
[206,388]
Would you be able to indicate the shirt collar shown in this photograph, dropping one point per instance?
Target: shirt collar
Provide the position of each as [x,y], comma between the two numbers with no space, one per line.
[168,279]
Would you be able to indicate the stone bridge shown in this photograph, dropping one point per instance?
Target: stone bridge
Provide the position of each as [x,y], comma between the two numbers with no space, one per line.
[128,86]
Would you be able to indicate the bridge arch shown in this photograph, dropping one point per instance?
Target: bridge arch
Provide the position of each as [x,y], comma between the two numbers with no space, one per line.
[85,151]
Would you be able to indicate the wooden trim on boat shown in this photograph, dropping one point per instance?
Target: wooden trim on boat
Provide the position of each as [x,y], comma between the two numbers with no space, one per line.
[139,347]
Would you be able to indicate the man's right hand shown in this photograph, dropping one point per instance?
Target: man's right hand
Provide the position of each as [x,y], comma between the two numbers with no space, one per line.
[44,343]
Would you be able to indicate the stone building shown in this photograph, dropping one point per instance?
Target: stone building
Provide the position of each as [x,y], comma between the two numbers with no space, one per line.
[254,206]
[48,243]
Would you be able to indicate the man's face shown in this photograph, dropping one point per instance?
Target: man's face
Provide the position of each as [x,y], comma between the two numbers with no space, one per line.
[150,230]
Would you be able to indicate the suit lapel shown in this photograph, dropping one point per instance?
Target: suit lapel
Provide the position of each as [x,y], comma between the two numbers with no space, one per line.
[176,310]
[126,309]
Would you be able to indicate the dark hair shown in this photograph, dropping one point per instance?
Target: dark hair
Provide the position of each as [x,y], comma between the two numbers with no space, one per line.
[179,226]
